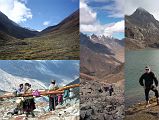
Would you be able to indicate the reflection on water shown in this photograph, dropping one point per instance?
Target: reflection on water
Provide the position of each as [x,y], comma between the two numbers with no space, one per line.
[134,68]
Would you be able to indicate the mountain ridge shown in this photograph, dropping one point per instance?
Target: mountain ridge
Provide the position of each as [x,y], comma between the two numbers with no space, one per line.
[57,42]
[13,29]
[141,30]
[95,63]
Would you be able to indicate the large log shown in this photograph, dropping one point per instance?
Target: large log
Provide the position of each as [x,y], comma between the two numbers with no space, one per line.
[43,93]
[68,87]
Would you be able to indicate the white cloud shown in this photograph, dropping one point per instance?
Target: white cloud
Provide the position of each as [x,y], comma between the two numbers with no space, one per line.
[87,15]
[92,28]
[46,23]
[94,25]
[114,28]
[149,5]
[107,29]
[16,10]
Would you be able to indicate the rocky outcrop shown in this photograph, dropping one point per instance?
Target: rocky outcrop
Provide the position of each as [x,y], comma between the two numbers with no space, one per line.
[141,30]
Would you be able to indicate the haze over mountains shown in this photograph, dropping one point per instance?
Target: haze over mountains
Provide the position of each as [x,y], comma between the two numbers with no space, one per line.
[37,72]
[101,56]
[141,30]
[55,42]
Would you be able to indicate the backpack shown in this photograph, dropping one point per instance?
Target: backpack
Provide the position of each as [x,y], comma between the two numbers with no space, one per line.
[36,93]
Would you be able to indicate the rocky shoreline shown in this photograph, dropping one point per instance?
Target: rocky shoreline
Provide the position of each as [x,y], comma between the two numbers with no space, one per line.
[139,111]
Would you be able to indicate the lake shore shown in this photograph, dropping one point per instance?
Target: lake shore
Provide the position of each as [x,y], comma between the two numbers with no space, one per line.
[139,111]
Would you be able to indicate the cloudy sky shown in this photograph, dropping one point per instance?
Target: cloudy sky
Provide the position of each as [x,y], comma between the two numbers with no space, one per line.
[152,6]
[38,14]
[102,17]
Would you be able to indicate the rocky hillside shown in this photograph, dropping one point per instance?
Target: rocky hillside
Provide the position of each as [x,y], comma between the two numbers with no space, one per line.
[101,65]
[55,42]
[96,104]
[67,111]
[140,112]
[141,30]
[115,45]
[97,59]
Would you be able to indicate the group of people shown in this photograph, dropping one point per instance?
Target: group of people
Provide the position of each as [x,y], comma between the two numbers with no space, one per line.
[27,104]
[24,104]
[149,82]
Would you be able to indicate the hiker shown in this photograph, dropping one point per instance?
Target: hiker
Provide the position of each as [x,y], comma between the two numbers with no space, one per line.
[29,104]
[146,80]
[53,99]
[111,90]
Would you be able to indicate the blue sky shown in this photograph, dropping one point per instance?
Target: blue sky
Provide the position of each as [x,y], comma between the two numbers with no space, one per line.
[106,17]
[38,14]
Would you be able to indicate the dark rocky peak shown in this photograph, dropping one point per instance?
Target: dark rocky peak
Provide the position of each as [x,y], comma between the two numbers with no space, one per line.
[93,36]
[142,18]
[141,10]
[142,14]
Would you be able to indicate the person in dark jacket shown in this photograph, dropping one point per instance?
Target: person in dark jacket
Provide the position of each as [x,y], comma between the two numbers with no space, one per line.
[111,90]
[147,80]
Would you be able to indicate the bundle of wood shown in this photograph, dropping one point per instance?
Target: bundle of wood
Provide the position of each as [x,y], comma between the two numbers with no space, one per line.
[42,92]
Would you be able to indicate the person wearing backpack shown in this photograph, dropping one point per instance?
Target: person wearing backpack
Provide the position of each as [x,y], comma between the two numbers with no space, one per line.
[147,80]
[53,98]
